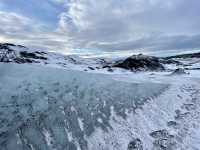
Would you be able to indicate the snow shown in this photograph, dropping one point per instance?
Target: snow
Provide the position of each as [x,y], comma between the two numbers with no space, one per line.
[153,116]
[81,124]
[48,137]
[100,120]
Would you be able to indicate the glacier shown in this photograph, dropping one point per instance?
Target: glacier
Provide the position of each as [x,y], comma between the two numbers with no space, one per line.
[43,108]
[48,108]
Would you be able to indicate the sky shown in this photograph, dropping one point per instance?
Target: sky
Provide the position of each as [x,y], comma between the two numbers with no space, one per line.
[85,26]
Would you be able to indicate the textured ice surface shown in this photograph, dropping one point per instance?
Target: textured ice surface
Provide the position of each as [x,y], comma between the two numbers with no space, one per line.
[46,108]
[170,121]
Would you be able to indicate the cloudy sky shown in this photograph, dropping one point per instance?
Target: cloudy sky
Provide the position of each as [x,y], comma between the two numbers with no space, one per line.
[102,25]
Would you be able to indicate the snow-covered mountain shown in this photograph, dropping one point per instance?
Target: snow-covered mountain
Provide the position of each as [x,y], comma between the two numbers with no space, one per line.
[50,101]
[10,53]
[21,55]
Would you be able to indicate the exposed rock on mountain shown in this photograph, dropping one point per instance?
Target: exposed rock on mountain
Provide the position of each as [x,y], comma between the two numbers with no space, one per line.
[170,61]
[135,144]
[7,55]
[7,45]
[32,55]
[140,62]
[179,71]
[19,54]
[193,55]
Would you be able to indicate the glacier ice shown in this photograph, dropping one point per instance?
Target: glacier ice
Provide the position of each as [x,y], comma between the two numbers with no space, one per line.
[48,108]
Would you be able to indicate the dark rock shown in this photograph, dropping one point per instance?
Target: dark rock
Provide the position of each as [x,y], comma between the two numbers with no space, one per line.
[180,115]
[6,54]
[31,55]
[170,61]
[135,144]
[160,133]
[5,45]
[188,107]
[140,62]
[106,66]
[172,123]
[23,60]
[163,140]
[41,53]
[192,68]
[71,59]
[21,46]
[193,55]
[164,144]
[91,68]
[179,71]
[110,70]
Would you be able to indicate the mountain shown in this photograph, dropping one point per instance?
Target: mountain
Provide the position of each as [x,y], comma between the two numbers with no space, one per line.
[183,56]
[10,53]
[21,54]
[140,62]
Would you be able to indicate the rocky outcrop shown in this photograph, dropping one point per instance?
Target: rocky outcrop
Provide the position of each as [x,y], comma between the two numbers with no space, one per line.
[170,61]
[179,71]
[8,53]
[193,55]
[135,144]
[140,62]
[33,55]
[163,140]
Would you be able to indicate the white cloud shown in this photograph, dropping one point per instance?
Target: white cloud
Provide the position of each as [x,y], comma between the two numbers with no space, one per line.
[18,29]
[12,22]
[91,23]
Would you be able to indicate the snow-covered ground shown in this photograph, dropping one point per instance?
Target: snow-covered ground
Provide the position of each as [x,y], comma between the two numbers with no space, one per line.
[169,121]
[51,108]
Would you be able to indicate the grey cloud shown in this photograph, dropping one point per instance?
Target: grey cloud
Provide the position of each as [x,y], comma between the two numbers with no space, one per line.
[129,23]
[155,43]
[22,30]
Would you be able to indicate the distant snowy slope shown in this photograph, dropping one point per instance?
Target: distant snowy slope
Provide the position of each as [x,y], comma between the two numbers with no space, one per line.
[10,53]
[20,54]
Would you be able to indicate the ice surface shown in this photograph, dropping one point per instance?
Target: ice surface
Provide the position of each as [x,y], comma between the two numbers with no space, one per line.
[49,108]
[173,117]
[45,108]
